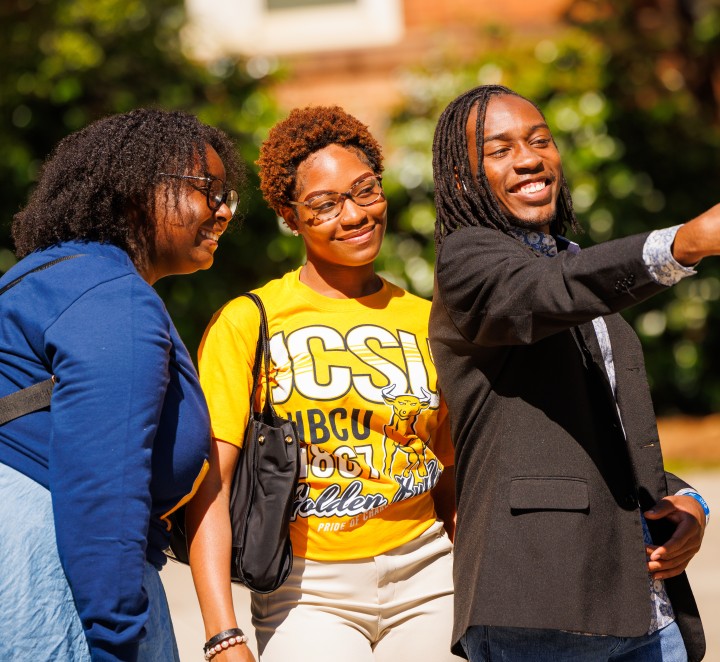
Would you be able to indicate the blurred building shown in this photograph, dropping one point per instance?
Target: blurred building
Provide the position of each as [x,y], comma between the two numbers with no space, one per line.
[351,52]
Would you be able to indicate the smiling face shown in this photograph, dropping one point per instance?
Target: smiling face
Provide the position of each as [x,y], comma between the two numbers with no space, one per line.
[187,234]
[354,237]
[520,159]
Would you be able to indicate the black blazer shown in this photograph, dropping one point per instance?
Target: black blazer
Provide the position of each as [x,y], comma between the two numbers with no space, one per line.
[549,487]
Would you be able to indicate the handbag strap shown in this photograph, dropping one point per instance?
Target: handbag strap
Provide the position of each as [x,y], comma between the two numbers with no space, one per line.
[35,397]
[262,356]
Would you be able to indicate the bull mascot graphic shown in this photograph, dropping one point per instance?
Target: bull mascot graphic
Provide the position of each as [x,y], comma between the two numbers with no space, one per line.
[400,434]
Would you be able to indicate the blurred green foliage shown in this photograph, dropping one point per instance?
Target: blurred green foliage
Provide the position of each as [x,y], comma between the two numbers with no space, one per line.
[628,91]
[64,63]
[628,86]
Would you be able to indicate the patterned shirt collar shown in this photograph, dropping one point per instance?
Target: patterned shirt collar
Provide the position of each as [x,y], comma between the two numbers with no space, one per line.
[540,242]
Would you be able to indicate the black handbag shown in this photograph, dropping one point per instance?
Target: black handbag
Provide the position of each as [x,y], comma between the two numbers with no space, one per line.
[263,490]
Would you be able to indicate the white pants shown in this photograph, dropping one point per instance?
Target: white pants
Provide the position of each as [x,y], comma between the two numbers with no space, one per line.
[395,607]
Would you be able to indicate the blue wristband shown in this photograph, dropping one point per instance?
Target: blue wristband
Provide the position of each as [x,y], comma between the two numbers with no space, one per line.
[699,499]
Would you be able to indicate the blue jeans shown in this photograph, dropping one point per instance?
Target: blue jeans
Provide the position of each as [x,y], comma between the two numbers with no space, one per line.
[40,621]
[159,644]
[485,644]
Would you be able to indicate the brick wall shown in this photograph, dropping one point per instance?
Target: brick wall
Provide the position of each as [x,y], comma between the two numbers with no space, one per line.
[365,82]
[423,13]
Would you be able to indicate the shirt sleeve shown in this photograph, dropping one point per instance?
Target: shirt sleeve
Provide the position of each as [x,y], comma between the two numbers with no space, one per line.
[110,356]
[657,254]
[225,361]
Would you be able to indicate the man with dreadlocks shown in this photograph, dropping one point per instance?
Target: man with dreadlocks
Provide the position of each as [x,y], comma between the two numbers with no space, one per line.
[572,540]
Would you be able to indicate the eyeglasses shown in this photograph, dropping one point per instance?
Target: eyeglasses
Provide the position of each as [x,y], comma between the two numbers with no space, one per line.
[214,191]
[327,206]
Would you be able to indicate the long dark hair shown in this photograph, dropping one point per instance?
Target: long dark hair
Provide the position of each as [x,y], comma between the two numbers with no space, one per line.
[462,200]
[99,184]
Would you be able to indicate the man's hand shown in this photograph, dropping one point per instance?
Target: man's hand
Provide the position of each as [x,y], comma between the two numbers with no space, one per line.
[671,558]
[698,238]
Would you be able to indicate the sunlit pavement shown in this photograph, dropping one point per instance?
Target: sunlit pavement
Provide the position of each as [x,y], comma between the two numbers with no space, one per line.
[704,574]
[704,569]
[185,612]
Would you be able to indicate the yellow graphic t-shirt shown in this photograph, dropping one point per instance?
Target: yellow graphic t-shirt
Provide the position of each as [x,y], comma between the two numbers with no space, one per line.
[357,378]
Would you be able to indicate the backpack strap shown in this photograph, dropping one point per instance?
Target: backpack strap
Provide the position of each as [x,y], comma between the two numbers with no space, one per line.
[33,397]
[47,265]
[26,400]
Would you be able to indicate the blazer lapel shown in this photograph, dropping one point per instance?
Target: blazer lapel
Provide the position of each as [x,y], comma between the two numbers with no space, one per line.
[586,338]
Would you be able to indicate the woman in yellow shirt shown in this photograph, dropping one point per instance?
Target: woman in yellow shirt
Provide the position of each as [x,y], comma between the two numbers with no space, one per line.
[351,365]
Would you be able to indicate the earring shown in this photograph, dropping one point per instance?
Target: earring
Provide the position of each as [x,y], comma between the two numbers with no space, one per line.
[295,233]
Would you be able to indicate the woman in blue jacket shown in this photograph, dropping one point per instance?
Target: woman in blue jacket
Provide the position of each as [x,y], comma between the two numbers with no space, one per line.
[86,482]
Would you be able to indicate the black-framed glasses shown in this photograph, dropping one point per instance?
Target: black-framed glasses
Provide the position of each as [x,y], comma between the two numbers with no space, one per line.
[327,206]
[214,191]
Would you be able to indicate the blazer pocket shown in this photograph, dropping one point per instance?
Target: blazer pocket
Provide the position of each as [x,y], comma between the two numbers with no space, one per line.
[549,493]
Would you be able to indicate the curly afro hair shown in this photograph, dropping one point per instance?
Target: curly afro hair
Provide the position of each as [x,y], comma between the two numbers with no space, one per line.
[303,132]
[100,183]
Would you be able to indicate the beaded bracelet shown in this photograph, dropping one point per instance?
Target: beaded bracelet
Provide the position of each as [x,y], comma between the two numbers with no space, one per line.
[223,641]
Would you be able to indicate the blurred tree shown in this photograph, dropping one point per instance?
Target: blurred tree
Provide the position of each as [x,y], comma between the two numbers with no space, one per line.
[65,63]
[663,80]
[630,90]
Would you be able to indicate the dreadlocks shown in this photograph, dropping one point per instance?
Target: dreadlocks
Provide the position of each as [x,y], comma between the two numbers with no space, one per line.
[461,200]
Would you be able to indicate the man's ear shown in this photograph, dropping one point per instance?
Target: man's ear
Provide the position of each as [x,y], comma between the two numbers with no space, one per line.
[290,217]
